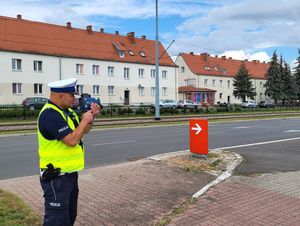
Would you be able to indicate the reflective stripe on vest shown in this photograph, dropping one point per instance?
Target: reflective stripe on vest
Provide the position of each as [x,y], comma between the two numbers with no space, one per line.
[68,158]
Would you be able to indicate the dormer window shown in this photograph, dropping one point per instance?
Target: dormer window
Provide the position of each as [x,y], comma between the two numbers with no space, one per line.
[131,53]
[142,54]
[121,53]
[207,68]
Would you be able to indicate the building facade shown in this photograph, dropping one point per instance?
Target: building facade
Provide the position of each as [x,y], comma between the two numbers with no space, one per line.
[118,69]
[209,79]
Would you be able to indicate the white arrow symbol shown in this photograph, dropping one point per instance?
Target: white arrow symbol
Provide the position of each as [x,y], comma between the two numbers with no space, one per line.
[197,128]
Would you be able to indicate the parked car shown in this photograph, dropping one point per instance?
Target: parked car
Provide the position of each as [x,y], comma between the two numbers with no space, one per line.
[33,103]
[83,104]
[186,104]
[249,104]
[266,104]
[224,104]
[168,104]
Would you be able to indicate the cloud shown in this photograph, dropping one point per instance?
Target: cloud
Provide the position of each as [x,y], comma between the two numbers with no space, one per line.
[242,55]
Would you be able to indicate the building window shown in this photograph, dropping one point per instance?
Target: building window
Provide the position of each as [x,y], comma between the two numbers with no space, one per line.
[141,73]
[221,83]
[142,54]
[221,95]
[110,90]
[121,53]
[110,71]
[260,84]
[38,88]
[214,82]
[17,88]
[141,91]
[79,88]
[131,53]
[152,73]
[164,91]
[126,73]
[96,89]
[152,91]
[260,96]
[37,65]
[17,64]
[79,68]
[95,69]
[164,74]
[205,82]
[182,69]
[228,84]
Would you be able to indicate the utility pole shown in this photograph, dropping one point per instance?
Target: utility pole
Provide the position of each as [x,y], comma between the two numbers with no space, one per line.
[157,113]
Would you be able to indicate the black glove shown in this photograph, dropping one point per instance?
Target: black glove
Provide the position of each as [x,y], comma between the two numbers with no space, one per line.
[50,173]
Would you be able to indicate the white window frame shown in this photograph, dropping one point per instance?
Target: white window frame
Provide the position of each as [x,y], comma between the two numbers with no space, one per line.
[126,73]
[214,82]
[206,82]
[38,88]
[153,73]
[16,64]
[182,69]
[221,83]
[141,72]
[79,69]
[142,91]
[96,90]
[17,88]
[153,91]
[79,88]
[38,65]
[164,74]
[110,70]
[228,84]
[221,96]
[164,91]
[110,90]
[95,69]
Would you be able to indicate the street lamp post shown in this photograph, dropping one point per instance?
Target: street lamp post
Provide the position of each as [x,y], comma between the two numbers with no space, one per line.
[157,115]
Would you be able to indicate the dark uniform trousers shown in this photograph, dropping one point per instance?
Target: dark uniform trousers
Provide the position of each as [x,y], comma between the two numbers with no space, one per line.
[61,195]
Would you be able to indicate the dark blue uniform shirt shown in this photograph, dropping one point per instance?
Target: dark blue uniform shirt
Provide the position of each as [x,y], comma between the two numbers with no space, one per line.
[52,125]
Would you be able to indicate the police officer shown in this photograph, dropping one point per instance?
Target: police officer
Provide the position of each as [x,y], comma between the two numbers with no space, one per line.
[61,151]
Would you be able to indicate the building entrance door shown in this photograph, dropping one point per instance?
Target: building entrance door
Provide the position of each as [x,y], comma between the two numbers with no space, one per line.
[126,97]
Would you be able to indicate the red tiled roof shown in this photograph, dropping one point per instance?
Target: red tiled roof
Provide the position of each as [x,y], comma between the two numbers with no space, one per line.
[205,64]
[185,89]
[19,35]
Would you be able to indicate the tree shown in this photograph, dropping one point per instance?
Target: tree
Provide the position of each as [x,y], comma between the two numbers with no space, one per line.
[273,84]
[297,76]
[288,83]
[243,86]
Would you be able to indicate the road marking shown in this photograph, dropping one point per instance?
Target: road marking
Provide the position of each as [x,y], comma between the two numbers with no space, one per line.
[260,143]
[117,142]
[242,127]
[292,131]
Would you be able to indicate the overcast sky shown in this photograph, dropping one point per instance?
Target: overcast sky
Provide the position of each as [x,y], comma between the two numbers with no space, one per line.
[242,29]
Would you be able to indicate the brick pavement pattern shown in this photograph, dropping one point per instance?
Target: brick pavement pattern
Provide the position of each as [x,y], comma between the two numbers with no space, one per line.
[131,193]
[266,200]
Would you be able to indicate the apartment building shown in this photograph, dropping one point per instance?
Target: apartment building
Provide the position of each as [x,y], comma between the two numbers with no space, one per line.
[209,79]
[119,69]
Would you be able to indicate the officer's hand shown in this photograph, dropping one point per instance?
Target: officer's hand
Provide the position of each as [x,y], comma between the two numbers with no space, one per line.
[88,116]
[95,108]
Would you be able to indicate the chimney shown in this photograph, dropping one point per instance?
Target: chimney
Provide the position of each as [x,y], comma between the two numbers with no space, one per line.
[216,56]
[246,60]
[205,55]
[69,25]
[101,30]
[117,32]
[143,36]
[130,36]
[192,53]
[89,29]
[19,17]
[230,58]
[224,57]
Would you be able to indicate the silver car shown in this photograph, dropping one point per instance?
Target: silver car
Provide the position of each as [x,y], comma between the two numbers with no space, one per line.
[186,104]
[168,104]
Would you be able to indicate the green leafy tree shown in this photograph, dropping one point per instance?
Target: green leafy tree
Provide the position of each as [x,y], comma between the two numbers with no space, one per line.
[288,83]
[242,84]
[297,76]
[273,84]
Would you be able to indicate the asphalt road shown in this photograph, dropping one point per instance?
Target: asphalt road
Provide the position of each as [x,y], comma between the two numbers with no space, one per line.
[19,153]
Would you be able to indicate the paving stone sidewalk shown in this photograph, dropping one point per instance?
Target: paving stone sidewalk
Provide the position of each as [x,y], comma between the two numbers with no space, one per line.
[267,200]
[132,193]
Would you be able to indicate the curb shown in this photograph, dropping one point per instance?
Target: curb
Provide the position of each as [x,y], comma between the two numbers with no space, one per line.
[228,173]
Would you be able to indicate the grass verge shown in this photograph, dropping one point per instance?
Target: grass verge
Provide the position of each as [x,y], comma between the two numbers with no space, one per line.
[13,212]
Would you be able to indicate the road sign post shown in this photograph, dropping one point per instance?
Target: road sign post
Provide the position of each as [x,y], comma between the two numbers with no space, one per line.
[199,136]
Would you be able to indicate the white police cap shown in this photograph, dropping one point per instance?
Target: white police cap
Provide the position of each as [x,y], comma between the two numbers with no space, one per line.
[64,86]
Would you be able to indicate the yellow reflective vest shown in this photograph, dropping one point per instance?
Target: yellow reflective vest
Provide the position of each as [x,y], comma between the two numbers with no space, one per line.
[68,159]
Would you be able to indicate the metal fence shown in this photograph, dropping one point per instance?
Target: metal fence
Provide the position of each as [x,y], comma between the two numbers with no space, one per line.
[20,112]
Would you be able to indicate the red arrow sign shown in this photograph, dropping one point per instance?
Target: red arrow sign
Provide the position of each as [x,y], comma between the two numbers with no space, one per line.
[199,136]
